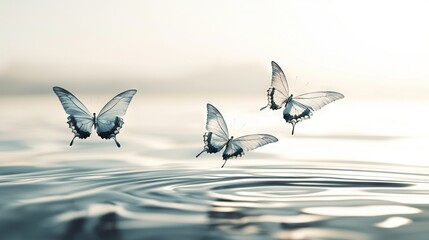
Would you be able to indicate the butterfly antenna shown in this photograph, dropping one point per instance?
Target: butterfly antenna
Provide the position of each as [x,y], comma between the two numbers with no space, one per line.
[264,107]
[71,143]
[117,143]
[223,164]
[200,153]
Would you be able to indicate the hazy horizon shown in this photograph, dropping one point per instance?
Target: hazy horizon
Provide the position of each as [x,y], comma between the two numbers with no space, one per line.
[363,49]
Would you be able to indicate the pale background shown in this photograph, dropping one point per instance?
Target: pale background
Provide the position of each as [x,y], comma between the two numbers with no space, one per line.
[364,49]
[358,169]
[181,55]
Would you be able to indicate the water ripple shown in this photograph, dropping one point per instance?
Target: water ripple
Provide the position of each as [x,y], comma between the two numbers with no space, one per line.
[293,203]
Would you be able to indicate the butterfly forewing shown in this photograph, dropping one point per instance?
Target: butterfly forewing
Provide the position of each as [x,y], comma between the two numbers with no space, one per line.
[117,106]
[216,124]
[316,100]
[71,104]
[279,91]
[250,142]
[237,147]
[279,81]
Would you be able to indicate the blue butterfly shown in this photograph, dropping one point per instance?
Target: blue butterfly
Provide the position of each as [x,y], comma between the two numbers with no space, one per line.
[217,137]
[107,123]
[296,108]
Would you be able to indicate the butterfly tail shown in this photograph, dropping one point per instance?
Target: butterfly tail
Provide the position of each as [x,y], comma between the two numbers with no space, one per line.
[224,163]
[71,143]
[293,128]
[200,153]
[117,143]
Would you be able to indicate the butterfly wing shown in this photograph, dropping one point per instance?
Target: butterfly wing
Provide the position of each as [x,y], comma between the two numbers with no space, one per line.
[236,147]
[302,106]
[71,104]
[278,94]
[217,132]
[109,121]
[316,100]
[215,123]
[79,119]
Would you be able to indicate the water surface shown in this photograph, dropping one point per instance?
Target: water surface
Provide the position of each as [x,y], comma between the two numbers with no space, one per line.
[342,176]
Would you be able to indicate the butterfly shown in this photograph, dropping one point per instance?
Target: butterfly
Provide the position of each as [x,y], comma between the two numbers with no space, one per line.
[217,137]
[296,108]
[107,123]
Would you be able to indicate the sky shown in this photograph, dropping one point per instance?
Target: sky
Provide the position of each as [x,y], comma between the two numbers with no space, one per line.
[364,49]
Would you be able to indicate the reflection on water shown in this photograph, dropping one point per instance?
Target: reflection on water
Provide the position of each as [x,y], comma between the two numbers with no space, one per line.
[310,186]
[112,203]
[394,222]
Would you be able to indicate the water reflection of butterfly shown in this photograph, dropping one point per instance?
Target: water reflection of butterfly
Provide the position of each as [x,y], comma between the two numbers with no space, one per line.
[296,108]
[217,137]
[107,123]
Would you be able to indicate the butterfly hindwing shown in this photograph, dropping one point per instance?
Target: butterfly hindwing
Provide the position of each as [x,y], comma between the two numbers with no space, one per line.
[212,143]
[79,119]
[295,112]
[81,126]
[233,149]
[109,121]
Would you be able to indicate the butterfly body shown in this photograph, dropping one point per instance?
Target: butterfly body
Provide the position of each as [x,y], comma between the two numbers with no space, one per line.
[108,122]
[296,108]
[217,137]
